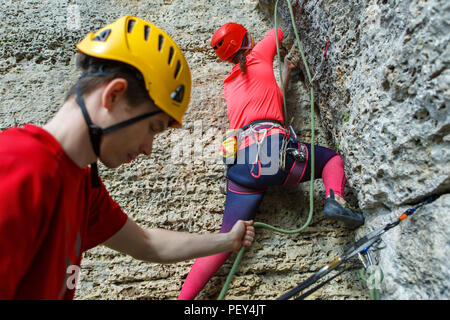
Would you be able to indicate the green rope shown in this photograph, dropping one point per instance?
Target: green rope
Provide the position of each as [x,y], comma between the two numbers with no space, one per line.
[366,276]
[311,189]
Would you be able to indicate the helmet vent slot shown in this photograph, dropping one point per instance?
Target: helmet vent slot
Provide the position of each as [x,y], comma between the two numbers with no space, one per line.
[160,42]
[146,32]
[171,52]
[177,69]
[218,45]
[178,94]
[131,25]
[102,36]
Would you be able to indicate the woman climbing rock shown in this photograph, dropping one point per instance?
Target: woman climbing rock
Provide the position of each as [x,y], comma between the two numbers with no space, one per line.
[267,153]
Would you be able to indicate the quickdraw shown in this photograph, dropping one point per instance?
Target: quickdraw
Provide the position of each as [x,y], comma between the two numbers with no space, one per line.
[358,249]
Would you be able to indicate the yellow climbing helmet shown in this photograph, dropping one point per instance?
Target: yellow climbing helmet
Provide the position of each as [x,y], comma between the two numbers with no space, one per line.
[154,53]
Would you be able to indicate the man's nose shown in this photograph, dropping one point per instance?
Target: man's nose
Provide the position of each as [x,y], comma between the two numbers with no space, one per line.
[147,147]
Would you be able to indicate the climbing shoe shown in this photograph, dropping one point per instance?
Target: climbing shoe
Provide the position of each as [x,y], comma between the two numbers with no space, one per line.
[336,211]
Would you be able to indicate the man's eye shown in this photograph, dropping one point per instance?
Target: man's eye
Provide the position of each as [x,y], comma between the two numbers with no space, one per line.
[155,130]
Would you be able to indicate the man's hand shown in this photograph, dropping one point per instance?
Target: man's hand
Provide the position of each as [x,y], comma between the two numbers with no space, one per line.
[242,234]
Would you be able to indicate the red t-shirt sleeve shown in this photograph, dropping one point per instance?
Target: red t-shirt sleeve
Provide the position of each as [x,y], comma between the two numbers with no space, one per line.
[267,47]
[105,218]
[25,209]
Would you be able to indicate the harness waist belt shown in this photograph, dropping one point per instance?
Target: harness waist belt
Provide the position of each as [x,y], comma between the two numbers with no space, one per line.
[250,133]
[245,127]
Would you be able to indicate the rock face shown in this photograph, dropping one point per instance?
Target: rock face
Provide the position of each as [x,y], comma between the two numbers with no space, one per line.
[382,97]
[383,93]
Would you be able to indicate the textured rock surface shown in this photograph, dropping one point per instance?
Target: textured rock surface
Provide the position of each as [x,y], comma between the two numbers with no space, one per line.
[383,96]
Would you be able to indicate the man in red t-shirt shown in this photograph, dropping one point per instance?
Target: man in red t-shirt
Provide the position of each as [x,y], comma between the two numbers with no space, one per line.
[135,83]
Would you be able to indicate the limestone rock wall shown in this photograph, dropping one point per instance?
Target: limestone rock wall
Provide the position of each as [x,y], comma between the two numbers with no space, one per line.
[387,66]
[383,94]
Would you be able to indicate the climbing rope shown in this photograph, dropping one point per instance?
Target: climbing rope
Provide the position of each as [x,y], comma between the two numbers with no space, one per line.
[372,277]
[311,190]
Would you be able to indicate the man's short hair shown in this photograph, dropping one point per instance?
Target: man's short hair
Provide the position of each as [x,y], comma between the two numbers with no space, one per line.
[136,93]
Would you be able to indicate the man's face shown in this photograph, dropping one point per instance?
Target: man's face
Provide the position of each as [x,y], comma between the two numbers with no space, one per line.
[125,144]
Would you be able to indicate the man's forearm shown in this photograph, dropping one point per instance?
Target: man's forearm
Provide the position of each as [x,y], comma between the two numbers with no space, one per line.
[165,246]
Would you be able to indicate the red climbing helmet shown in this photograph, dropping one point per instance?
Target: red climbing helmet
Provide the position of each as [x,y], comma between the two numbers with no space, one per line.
[227,40]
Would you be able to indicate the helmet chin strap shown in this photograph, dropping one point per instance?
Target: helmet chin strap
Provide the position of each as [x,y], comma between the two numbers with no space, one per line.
[96,133]
[247,44]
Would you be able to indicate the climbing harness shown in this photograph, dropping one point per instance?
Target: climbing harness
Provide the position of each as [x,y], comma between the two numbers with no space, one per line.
[283,152]
[258,134]
[300,154]
[359,249]
[311,191]
[259,143]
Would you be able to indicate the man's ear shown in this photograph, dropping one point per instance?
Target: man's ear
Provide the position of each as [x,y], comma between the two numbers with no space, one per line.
[113,92]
